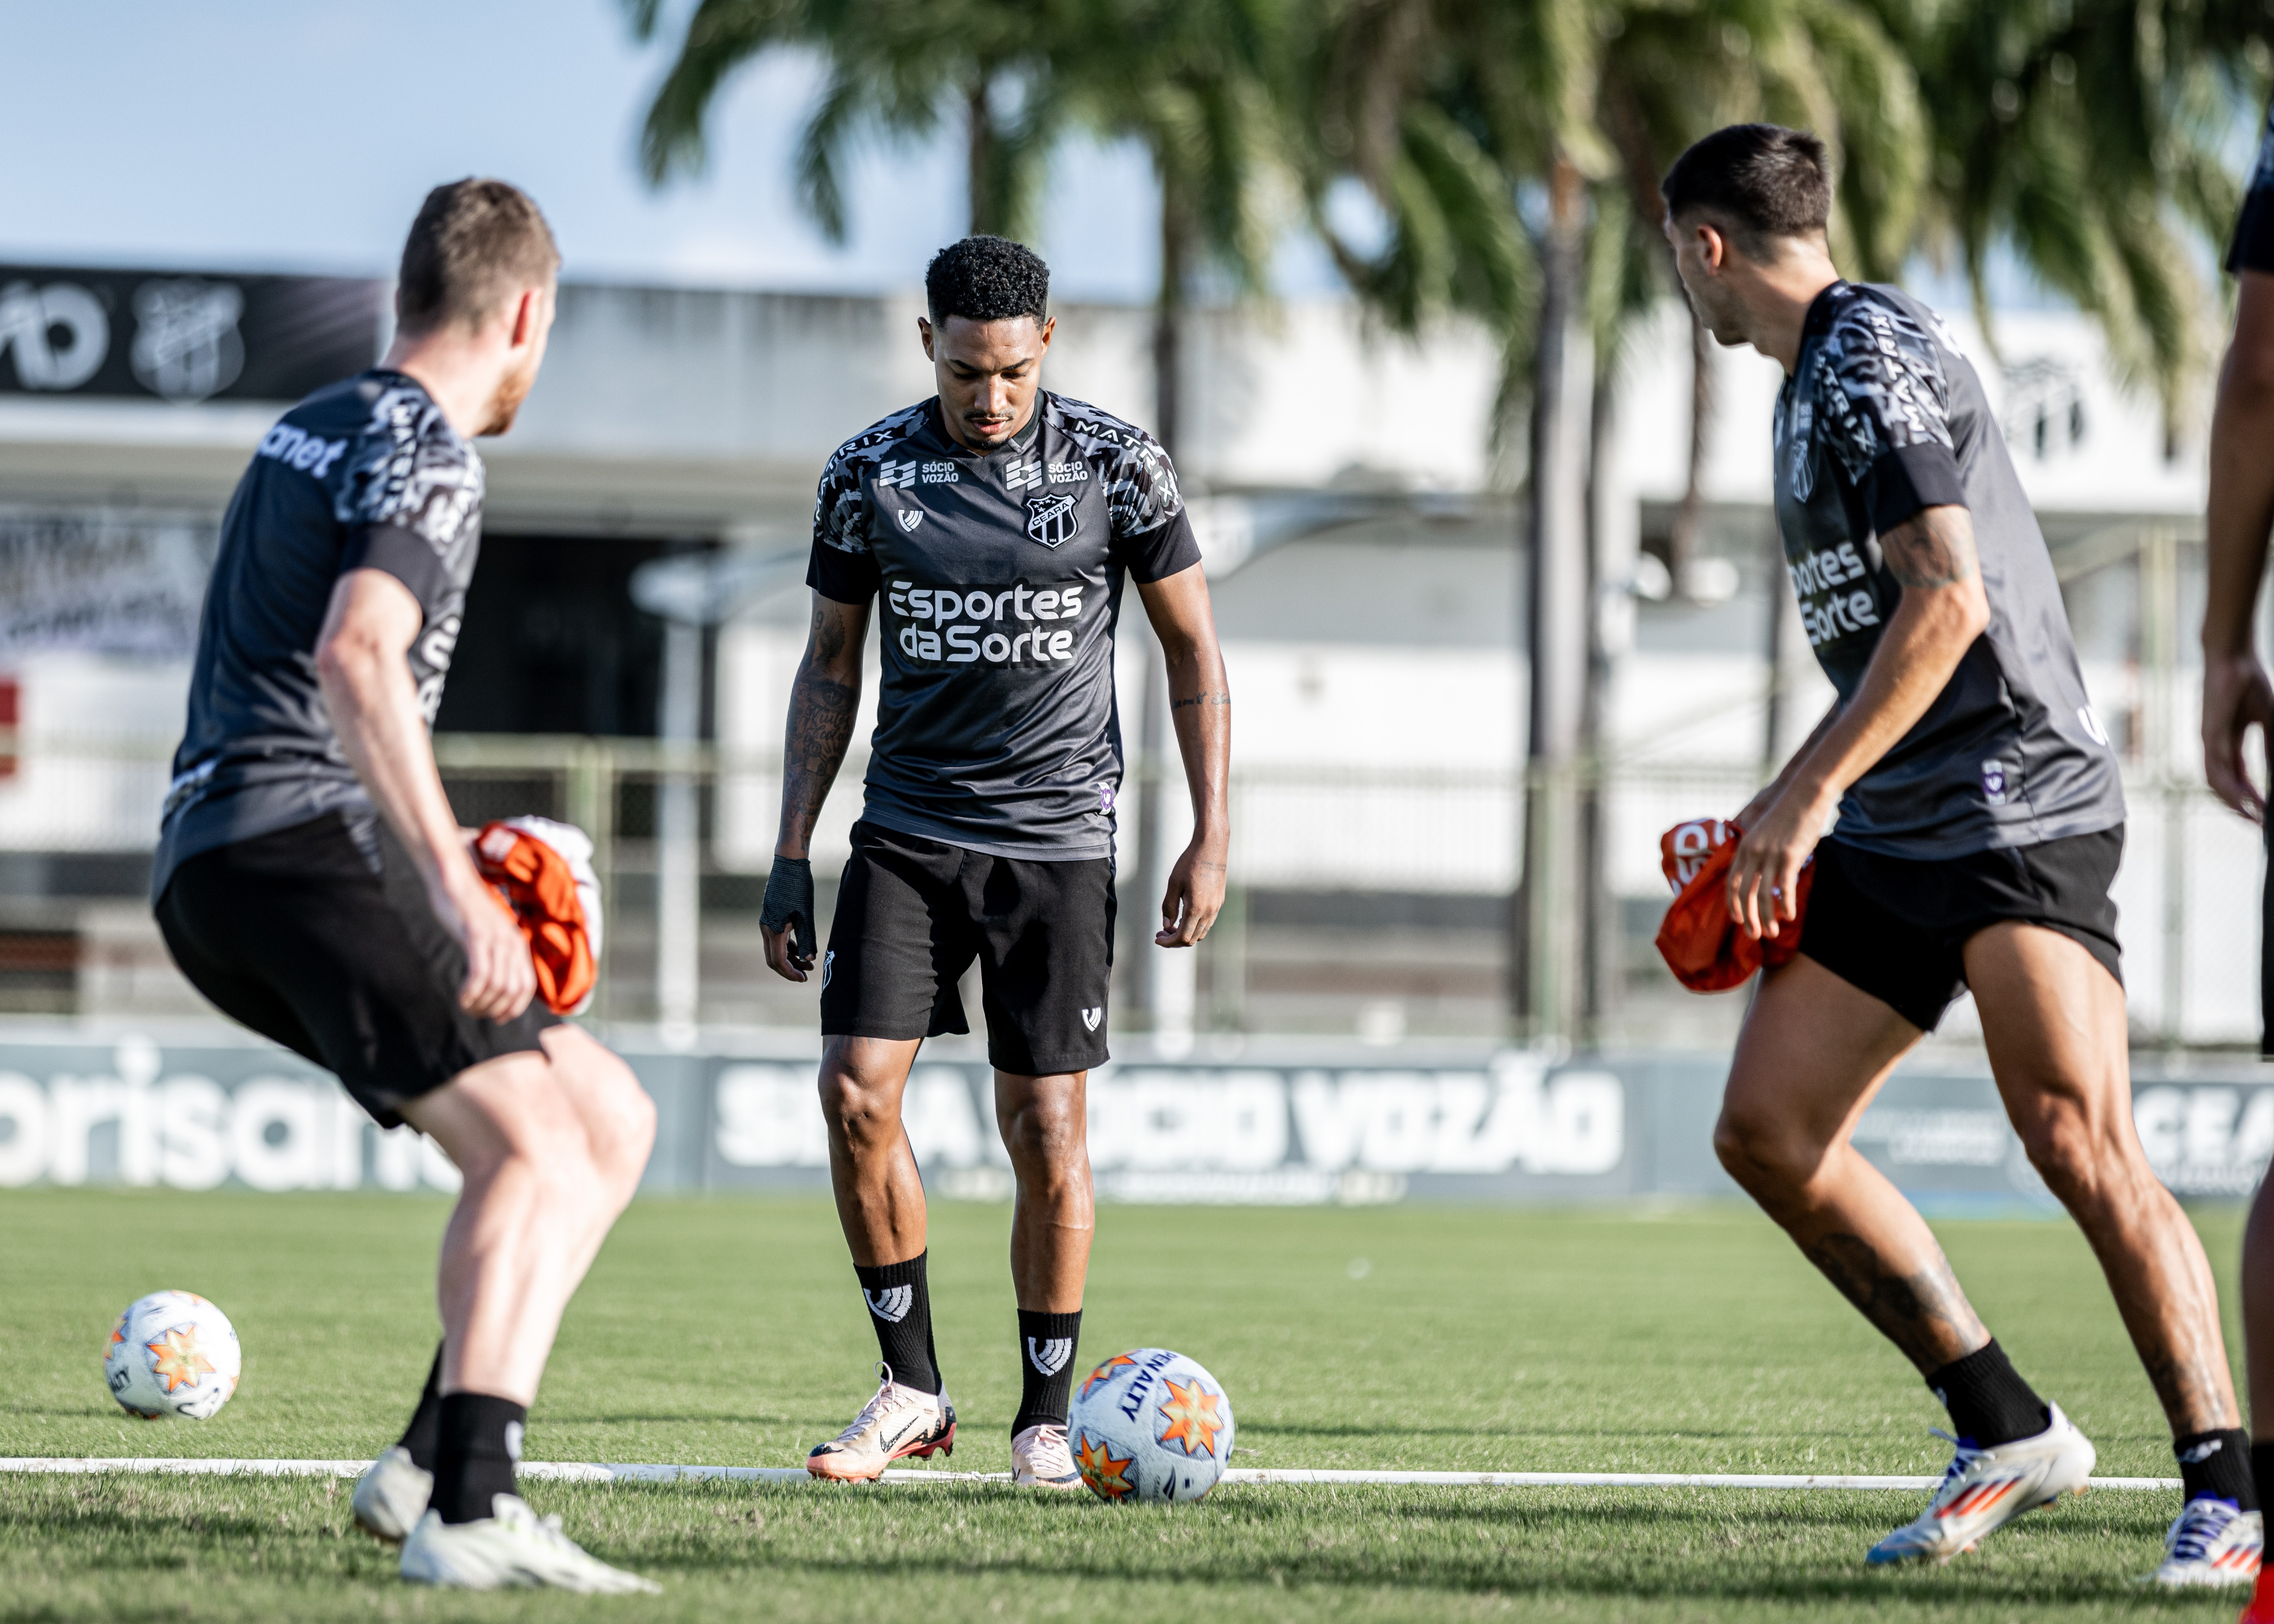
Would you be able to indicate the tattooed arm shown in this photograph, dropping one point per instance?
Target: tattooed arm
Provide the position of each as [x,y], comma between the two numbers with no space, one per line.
[824,701]
[1943,610]
[1199,704]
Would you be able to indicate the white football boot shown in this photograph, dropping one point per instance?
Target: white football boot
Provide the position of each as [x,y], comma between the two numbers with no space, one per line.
[513,1550]
[1985,1489]
[392,1496]
[2211,1543]
[1041,1459]
[898,1422]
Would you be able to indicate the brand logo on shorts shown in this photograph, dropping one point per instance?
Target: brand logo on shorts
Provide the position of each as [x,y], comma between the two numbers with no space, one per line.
[1090,1018]
[1048,1355]
[828,966]
[1051,519]
[891,1305]
[909,517]
[1993,782]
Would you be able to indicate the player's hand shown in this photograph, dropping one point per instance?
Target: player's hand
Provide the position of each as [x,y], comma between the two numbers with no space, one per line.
[1765,873]
[786,917]
[2236,698]
[500,977]
[1194,896]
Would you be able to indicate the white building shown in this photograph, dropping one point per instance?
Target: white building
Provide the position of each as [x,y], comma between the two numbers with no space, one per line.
[1376,655]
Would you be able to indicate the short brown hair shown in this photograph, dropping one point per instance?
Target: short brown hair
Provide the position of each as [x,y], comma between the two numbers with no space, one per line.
[1761,180]
[474,241]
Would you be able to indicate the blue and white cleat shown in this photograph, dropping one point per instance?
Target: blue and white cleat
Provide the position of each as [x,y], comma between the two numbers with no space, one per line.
[2210,1545]
[1985,1489]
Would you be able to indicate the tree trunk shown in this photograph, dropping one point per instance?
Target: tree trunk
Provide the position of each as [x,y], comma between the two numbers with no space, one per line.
[1602,945]
[1548,947]
[986,205]
[1142,913]
[1682,543]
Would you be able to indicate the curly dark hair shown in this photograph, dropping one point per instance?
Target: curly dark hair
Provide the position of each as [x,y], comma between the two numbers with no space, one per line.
[988,278]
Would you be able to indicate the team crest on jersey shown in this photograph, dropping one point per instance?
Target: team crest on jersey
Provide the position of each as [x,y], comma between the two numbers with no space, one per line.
[909,517]
[1051,519]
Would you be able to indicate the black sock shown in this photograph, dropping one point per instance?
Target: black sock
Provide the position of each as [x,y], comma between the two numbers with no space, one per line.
[2216,1465]
[477,1441]
[426,1421]
[1046,1345]
[1989,1403]
[899,1306]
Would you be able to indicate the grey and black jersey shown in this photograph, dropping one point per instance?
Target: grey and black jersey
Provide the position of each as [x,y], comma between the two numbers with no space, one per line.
[1882,417]
[364,475]
[998,579]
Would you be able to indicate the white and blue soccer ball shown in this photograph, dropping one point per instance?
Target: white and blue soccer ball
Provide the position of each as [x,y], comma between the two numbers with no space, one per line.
[172,1353]
[1150,1425]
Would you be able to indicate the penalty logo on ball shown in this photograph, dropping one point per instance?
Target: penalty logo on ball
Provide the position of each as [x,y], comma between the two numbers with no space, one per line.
[1150,1425]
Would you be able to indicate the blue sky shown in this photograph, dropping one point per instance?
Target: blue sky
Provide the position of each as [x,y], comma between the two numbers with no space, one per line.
[230,134]
[250,135]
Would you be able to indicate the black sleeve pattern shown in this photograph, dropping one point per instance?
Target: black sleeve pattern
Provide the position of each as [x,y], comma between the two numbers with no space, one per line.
[1881,404]
[2253,248]
[842,567]
[1152,533]
[411,494]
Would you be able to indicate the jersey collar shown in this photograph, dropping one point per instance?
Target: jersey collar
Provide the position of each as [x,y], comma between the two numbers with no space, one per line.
[1824,308]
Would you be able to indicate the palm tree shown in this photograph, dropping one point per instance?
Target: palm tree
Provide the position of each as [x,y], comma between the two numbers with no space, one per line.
[893,67]
[1514,152]
[2083,134]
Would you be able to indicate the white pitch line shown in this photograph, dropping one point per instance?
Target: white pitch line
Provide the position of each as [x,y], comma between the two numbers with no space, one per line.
[574,1471]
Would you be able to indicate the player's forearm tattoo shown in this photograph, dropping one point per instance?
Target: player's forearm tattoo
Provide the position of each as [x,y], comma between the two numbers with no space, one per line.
[1200,699]
[822,712]
[1914,1312]
[1933,547]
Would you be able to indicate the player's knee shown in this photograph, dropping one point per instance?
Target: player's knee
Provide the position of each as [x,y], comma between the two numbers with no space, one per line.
[1046,1133]
[2071,1159]
[1763,1155]
[863,1111]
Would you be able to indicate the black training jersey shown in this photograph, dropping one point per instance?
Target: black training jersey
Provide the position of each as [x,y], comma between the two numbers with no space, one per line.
[2253,248]
[1883,415]
[1000,577]
[364,475]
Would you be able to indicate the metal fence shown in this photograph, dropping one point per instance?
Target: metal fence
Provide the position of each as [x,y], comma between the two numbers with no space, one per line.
[1367,903]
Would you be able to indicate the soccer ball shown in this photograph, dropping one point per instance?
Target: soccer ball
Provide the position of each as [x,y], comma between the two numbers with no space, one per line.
[1150,1425]
[172,1353]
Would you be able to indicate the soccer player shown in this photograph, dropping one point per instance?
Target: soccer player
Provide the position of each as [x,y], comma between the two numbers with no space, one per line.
[312,881]
[993,525]
[2238,697]
[1980,823]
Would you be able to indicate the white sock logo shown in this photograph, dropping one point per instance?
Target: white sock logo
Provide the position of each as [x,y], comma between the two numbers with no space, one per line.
[1048,1355]
[1090,1018]
[2202,1452]
[891,1305]
[513,1441]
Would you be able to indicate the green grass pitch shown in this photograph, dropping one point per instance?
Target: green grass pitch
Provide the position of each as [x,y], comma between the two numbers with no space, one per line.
[729,1332]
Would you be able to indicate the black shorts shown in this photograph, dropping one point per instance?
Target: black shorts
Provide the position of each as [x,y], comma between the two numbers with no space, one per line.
[1897,926]
[912,915]
[320,936]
